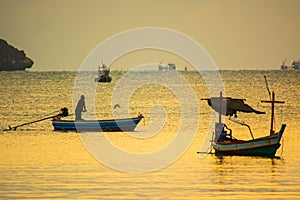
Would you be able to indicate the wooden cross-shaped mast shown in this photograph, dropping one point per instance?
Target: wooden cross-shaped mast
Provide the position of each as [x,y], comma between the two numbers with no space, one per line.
[272,113]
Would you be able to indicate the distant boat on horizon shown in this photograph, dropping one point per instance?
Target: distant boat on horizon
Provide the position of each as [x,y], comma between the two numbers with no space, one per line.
[295,65]
[103,74]
[168,67]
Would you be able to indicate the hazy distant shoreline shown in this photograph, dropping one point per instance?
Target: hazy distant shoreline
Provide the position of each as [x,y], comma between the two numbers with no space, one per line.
[181,71]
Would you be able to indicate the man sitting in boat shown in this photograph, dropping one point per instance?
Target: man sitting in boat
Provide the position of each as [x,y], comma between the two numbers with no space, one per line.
[80,108]
[222,134]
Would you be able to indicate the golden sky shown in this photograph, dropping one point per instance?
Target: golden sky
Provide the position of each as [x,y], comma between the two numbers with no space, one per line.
[238,34]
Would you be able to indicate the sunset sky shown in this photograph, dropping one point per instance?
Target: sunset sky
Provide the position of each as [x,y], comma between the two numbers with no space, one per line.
[237,34]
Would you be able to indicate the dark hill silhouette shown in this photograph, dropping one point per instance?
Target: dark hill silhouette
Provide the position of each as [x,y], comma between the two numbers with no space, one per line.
[12,59]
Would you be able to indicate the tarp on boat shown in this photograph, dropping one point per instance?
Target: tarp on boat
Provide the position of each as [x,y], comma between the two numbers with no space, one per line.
[229,107]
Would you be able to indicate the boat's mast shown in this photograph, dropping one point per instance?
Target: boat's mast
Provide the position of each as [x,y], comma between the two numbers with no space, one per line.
[272,111]
[220,115]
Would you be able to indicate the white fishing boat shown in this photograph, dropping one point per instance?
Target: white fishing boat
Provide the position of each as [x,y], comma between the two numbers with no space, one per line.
[103,74]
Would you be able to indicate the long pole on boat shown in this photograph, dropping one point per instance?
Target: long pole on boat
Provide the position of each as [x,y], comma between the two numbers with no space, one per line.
[15,127]
[272,114]
[267,85]
[64,113]
[272,111]
[220,115]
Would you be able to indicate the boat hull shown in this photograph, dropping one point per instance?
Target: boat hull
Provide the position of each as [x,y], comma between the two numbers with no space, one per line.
[117,125]
[265,146]
[263,151]
[104,79]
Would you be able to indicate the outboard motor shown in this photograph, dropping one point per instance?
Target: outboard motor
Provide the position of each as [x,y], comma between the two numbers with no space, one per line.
[64,112]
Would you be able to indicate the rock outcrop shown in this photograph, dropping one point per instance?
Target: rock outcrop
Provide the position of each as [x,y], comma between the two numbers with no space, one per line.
[12,59]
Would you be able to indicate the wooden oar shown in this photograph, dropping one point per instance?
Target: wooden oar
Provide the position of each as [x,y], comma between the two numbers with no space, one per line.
[64,113]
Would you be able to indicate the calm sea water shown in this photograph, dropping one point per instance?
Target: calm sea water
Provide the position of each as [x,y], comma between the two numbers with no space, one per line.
[39,163]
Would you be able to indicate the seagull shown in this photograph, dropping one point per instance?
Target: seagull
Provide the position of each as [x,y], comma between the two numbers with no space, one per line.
[117,106]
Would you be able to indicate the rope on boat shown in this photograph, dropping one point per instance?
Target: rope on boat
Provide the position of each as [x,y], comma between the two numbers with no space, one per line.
[282,146]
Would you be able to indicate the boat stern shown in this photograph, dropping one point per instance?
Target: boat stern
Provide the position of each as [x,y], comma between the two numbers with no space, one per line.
[280,133]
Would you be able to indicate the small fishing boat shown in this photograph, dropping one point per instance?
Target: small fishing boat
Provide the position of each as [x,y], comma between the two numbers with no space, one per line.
[113,125]
[103,74]
[223,142]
